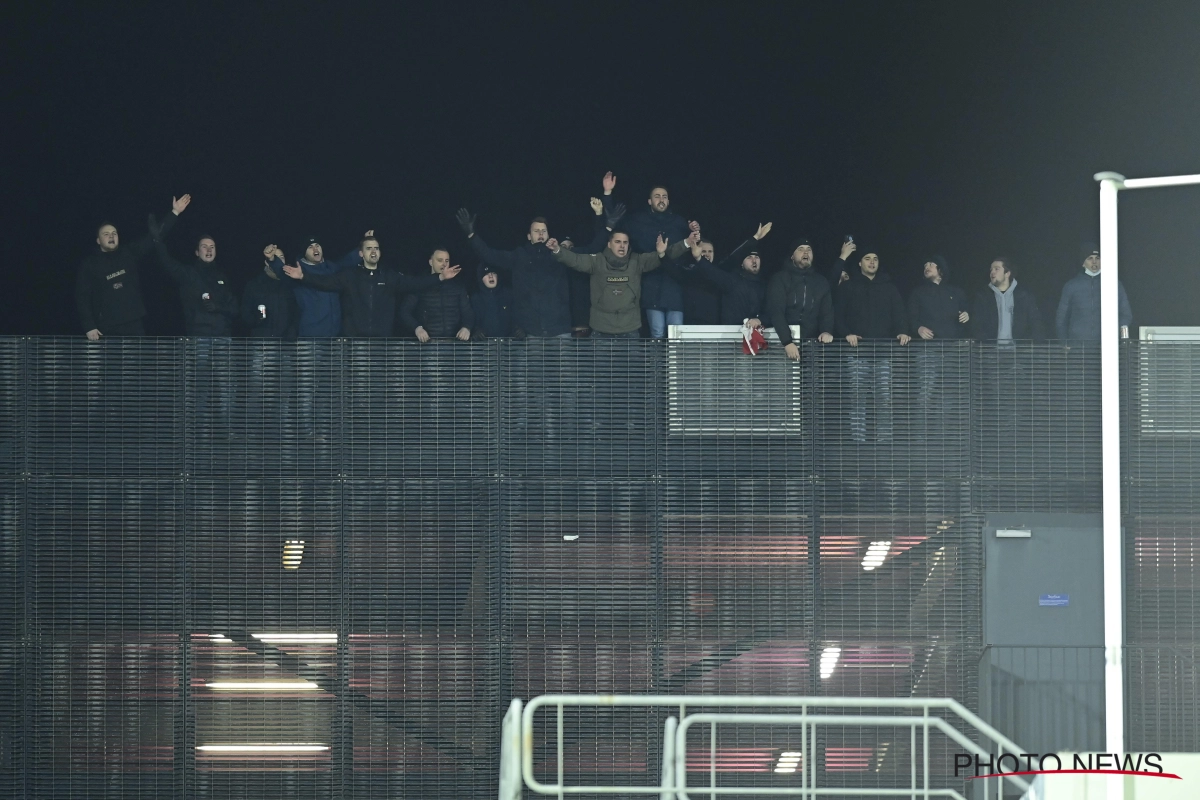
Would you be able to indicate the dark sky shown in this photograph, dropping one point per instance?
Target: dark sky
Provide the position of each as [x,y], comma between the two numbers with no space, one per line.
[966,128]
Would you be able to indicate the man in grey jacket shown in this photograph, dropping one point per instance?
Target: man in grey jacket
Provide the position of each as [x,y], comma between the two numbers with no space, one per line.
[1079,309]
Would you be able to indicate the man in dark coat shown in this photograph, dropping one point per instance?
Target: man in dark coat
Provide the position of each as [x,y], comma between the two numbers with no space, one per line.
[320,310]
[701,298]
[1005,310]
[936,310]
[492,305]
[108,292]
[269,309]
[441,311]
[209,304]
[543,304]
[743,290]
[1078,317]
[369,291]
[798,295]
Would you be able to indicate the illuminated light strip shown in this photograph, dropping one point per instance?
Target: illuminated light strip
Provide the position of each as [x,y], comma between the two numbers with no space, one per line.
[788,762]
[876,554]
[315,638]
[262,748]
[829,659]
[293,553]
[255,686]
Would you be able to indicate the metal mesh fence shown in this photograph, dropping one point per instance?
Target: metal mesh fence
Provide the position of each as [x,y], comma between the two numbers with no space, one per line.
[237,568]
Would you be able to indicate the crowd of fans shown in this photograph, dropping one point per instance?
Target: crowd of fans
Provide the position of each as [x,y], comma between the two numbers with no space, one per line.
[644,270]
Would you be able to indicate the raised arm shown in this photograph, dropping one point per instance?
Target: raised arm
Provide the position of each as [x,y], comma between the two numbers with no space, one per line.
[159,229]
[177,271]
[582,262]
[330,283]
[502,259]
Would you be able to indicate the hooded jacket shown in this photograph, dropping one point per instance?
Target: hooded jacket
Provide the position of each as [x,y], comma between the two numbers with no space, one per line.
[937,305]
[1078,315]
[108,290]
[869,307]
[1027,320]
[196,280]
[539,284]
[801,297]
[493,309]
[369,296]
[320,310]
[616,284]
[743,294]
[279,300]
[441,310]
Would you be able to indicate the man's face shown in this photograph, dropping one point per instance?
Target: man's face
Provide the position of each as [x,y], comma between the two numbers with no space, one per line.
[206,251]
[370,252]
[539,233]
[491,280]
[1092,263]
[439,261]
[802,256]
[567,244]
[708,251]
[619,245]
[997,274]
[659,200]
[752,264]
[931,271]
[107,238]
[869,264]
[313,253]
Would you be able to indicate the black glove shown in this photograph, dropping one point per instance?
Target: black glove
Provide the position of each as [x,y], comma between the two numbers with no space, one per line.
[466,221]
[614,216]
[155,228]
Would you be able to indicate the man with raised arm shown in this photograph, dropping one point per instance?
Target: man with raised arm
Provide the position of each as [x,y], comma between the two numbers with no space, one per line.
[797,295]
[541,295]
[320,310]
[742,291]
[617,280]
[368,291]
[440,311]
[108,292]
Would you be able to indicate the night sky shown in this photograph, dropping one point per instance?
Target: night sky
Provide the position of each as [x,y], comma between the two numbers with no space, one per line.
[968,129]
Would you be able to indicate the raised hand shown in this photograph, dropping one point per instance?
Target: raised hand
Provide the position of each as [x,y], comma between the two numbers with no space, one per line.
[694,226]
[466,221]
[179,204]
[964,317]
[293,272]
[613,218]
[661,245]
[763,230]
[695,249]
[694,238]
[463,334]
[847,249]
[449,272]
[552,244]
[609,182]
[269,251]
[597,205]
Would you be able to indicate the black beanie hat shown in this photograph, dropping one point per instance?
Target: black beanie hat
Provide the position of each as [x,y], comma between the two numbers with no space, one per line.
[1087,249]
[942,264]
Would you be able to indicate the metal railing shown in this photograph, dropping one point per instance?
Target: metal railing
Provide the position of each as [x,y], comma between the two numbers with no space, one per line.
[675,765]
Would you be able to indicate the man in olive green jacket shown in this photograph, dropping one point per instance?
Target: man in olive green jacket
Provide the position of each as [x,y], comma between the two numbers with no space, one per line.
[617,281]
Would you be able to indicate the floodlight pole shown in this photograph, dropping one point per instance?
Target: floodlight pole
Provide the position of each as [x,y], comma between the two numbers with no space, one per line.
[1111,184]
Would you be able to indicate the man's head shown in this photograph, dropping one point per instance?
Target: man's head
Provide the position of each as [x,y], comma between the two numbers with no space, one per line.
[752,263]
[659,199]
[932,272]
[802,253]
[490,279]
[312,251]
[538,231]
[868,263]
[566,243]
[206,249]
[1000,274]
[618,243]
[707,250]
[369,251]
[1089,253]
[106,237]
[438,260]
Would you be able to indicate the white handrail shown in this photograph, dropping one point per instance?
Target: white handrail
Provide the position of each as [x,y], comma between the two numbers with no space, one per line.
[667,785]
[681,702]
[510,753]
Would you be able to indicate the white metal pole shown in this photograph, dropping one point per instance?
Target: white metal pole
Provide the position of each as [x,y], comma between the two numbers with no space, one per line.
[1111,184]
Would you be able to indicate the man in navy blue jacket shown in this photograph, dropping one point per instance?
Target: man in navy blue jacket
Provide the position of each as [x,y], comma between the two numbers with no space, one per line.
[320,310]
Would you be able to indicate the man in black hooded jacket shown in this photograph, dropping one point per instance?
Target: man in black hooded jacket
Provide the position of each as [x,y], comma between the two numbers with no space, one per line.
[798,295]
[269,307]
[492,305]
[368,290]
[936,310]
[209,304]
[108,293]
[743,291]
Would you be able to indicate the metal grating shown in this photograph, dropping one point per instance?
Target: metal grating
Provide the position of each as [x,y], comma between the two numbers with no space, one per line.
[479,521]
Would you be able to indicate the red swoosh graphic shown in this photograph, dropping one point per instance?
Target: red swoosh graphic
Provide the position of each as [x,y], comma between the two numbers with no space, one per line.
[1080,772]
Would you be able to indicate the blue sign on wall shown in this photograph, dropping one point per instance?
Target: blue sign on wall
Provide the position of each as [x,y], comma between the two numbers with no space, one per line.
[1054,600]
